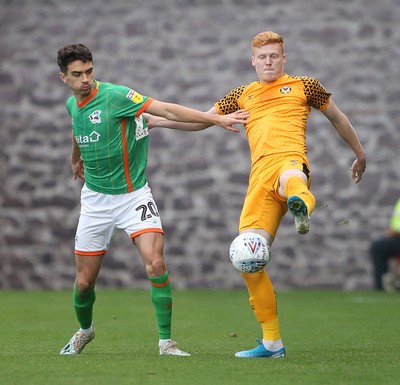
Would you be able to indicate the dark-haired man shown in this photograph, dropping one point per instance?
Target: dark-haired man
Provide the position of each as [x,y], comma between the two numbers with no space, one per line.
[110,145]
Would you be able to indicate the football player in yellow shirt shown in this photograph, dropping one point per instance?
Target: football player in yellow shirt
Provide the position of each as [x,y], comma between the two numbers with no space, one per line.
[279,105]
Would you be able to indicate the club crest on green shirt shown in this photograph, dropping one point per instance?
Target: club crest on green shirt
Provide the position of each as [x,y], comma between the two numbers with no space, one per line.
[94,117]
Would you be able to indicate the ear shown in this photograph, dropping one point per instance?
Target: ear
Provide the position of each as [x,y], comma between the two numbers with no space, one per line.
[252,61]
[63,78]
[284,58]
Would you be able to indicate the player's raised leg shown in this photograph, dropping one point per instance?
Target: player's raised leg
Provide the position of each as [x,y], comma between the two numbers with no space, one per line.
[300,200]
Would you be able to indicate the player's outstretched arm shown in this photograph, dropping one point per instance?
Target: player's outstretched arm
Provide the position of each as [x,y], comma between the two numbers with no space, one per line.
[174,116]
[158,121]
[347,132]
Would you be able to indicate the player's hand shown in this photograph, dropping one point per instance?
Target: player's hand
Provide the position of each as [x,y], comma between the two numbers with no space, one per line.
[154,121]
[78,170]
[237,117]
[149,120]
[358,169]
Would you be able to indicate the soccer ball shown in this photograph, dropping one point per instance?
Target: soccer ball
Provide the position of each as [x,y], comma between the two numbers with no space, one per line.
[249,252]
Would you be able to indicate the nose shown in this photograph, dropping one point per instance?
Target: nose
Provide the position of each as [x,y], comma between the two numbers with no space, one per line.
[85,78]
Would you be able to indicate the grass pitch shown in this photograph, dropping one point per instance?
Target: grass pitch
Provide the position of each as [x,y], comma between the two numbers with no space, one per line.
[332,338]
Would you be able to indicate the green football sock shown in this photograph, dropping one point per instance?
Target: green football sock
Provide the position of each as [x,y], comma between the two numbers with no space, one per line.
[161,296]
[83,304]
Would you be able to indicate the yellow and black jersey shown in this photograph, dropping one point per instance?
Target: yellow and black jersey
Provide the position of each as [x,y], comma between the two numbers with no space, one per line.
[278,112]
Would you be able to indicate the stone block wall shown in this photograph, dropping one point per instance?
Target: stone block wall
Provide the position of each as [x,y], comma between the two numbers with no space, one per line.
[192,53]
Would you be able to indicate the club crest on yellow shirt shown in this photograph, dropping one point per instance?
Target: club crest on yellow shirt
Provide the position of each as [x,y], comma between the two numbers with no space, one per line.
[285,89]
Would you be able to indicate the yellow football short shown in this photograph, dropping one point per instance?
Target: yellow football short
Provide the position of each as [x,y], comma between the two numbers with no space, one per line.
[263,207]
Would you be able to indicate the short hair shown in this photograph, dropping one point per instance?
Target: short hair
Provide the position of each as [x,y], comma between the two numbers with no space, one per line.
[71,53]
[267,37]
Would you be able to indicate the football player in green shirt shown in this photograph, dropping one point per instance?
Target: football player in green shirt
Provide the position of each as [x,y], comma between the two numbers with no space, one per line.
[110,147]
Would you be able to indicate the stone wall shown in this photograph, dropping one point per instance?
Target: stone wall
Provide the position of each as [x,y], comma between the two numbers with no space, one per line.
[193,52]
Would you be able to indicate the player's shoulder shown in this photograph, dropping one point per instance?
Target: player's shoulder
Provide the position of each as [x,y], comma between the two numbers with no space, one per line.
[244,89]
[71,99]
[235,93]
[239,89]
[112,87]
[118,91]
[310,84]
[122,93]
[252,85]
[70,103]
[306,80]
[316,94]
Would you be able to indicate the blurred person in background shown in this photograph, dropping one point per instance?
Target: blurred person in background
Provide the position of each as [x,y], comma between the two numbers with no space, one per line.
[386,250]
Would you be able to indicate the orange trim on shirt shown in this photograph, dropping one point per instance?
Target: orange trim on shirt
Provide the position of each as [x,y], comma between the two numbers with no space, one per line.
[144,107]
[90,253]
[126,156]
[149,230]
[90,97]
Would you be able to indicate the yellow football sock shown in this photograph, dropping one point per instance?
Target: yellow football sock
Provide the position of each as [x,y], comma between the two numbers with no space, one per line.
[297,186]
[263,302]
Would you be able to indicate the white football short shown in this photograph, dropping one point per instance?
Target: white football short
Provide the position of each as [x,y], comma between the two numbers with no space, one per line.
[102,214]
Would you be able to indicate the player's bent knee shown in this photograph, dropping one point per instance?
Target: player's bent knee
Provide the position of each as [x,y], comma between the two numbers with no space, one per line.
[156,268]
[84,286]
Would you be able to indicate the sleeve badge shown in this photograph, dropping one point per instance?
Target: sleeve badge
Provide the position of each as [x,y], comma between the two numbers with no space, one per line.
[134,96]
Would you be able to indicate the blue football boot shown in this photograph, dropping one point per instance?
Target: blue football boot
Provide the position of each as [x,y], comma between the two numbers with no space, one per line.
[261,351]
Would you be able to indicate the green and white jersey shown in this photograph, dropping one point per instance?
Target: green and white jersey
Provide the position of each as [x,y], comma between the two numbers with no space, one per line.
[112,136]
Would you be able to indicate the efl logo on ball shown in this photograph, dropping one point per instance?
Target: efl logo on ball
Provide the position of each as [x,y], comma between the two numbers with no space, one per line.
[249,252]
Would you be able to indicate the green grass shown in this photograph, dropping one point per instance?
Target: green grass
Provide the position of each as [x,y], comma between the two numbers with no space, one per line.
[338,338]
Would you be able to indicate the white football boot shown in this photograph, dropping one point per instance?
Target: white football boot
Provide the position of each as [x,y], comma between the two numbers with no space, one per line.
[77,343]
[170,348]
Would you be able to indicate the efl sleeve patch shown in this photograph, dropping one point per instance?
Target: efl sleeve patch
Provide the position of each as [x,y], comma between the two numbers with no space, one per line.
[134,96]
